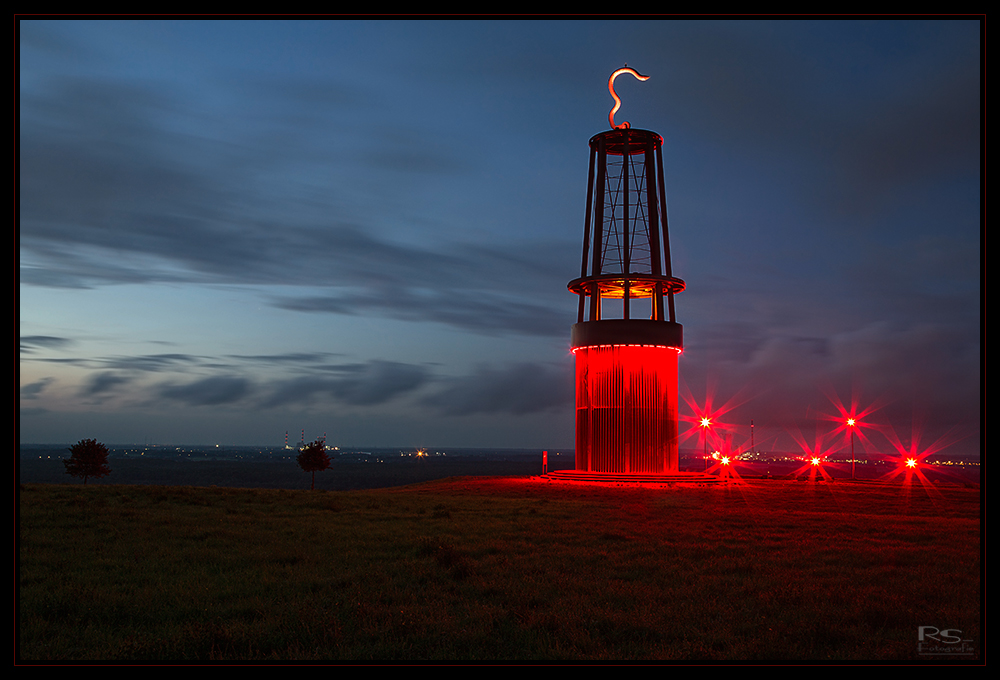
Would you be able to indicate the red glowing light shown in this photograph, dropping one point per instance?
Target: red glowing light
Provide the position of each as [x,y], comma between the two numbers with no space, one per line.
[725,460]
[910,458]
[618,101]
[814,457]
[705,422]
[852,420]
[626,409]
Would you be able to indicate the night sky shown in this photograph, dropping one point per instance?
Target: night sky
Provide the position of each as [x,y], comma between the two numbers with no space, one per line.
[230,229]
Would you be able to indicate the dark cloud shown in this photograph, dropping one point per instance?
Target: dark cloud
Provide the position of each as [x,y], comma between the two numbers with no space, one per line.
[212,391]
[32,343]
[908,368]
[33,390]
[516,389]
[471,310]
[379,381]
[305,358]
[101,383]
[111,194]
[367,384]
[150,362]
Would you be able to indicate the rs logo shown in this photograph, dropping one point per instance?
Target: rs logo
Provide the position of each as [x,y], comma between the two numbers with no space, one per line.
[947,636]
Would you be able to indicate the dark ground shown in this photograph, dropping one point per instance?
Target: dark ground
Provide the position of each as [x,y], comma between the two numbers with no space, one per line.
[283,472]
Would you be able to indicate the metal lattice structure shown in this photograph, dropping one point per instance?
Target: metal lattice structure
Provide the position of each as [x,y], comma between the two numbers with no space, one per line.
[626,365]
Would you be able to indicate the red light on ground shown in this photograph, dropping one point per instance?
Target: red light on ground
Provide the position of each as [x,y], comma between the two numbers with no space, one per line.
[911,462]
[850,421]
[705,422]
[725,460]
[815,461]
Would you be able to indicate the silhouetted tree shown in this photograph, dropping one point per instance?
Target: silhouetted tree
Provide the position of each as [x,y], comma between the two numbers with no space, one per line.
[313,459]
[89,458]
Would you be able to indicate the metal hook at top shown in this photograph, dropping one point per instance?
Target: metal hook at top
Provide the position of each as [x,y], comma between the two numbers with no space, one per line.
[618,101]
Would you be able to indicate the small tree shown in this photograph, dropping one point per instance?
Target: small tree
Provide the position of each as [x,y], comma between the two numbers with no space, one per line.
[89,458]
[313,459]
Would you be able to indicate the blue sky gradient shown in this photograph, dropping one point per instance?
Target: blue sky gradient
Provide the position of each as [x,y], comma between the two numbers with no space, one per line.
[230,229]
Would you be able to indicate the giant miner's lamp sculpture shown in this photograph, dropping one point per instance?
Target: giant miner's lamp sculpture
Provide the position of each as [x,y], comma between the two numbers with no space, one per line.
[626,340]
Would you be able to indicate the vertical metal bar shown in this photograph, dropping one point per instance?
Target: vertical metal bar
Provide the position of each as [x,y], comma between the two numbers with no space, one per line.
[595,302]
[667,269]
[653,213]
[654,226]
[627,263]
[663,214]
[586,235]
[602,168]
[586,221]
[596,264]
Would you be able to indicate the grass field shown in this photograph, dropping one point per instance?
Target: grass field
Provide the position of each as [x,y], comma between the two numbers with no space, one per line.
[493,569]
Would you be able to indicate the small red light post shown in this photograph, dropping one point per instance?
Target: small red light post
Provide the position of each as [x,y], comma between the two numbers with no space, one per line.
[706,423]
[850,424]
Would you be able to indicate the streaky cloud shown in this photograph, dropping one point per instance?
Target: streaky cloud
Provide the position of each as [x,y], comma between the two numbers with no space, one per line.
[34,390]
[518,389]
[367,384]
[32,343]
[212,391]
[103,382]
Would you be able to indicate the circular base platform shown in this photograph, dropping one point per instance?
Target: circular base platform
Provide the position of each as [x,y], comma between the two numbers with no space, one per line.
[641,478]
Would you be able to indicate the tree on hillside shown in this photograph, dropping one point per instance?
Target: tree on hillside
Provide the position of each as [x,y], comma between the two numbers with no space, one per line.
[313,459]
[88,458]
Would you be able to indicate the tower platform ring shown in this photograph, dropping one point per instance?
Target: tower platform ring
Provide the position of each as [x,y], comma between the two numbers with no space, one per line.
[639,285]
[627,332]
[614,141]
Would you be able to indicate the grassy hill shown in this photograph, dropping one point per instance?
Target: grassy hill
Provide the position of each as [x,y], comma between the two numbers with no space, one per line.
[490,568]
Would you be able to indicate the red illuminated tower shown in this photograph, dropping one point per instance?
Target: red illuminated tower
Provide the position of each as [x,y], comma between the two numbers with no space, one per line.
[626,339]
